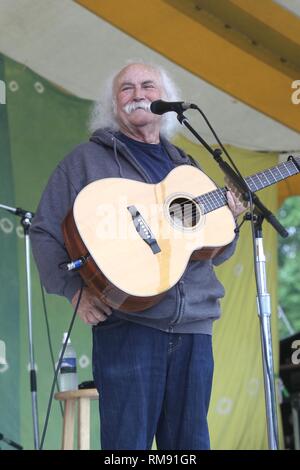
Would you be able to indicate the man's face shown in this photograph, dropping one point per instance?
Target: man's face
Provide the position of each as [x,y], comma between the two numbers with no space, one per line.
[135,88]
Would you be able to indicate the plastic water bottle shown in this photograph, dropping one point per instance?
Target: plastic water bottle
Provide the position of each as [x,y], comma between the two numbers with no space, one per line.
[68,369]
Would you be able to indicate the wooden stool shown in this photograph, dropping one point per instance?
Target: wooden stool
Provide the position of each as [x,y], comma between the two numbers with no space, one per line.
[83,398]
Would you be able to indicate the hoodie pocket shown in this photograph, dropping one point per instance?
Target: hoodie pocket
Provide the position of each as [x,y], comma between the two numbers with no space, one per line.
[180,303]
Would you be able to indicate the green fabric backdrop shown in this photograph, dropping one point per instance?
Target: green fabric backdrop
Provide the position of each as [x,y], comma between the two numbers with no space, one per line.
[9,287]
[39,125]
[44,124]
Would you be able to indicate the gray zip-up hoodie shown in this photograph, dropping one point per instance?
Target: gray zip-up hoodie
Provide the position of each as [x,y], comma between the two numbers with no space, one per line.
[189,307]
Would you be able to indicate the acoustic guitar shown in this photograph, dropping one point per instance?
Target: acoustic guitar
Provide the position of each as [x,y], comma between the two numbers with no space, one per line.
[136,238]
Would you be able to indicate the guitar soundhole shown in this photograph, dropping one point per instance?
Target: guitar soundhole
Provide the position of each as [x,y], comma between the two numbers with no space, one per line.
[184,213]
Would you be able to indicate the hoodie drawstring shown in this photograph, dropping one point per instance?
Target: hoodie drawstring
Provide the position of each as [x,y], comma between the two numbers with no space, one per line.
[117,157]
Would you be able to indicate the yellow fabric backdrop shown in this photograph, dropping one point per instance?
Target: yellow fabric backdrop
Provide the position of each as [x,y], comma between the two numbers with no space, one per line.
[237,411]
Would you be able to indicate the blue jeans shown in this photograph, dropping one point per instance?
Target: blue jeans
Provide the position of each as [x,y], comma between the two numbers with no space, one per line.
[152,383]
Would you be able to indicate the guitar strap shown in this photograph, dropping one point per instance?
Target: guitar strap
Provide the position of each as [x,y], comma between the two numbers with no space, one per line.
[191,159]
[194,162]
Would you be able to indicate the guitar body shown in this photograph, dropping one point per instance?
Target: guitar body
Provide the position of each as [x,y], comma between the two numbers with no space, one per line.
[141,236]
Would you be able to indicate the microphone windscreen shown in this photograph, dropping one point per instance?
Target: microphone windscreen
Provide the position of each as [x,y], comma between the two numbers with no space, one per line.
[159,107]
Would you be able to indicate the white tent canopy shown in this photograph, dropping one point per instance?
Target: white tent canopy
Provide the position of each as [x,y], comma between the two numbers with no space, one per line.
[76,50]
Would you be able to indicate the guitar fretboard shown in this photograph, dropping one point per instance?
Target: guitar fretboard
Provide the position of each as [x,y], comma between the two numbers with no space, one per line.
[217,198]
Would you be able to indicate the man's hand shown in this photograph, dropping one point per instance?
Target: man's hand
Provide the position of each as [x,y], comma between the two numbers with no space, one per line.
[235,200]
[91,310]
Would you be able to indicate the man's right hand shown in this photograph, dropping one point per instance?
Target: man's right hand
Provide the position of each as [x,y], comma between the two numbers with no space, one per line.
[91,310]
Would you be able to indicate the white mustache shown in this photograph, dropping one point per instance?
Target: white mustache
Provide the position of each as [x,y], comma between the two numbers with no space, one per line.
[128,108]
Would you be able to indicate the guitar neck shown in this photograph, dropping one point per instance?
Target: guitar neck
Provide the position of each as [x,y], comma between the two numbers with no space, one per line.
[217,198]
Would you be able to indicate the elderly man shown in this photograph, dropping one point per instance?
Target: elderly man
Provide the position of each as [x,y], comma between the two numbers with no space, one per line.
[153,369]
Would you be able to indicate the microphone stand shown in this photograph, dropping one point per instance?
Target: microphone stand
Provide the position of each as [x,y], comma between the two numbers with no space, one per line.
[264,313]
[26,218]
[263,297]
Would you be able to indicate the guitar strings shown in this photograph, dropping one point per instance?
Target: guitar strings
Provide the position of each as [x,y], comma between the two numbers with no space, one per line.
[219,192]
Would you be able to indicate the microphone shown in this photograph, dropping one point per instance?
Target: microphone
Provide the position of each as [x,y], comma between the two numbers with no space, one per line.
[162,107]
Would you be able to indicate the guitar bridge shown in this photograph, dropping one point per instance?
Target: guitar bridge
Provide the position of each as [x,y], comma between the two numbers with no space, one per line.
[143,229]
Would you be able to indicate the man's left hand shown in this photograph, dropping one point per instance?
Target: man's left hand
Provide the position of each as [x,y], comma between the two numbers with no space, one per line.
[236,203]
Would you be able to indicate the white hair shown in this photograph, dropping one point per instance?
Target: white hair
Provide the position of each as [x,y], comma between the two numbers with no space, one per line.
[103,111]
